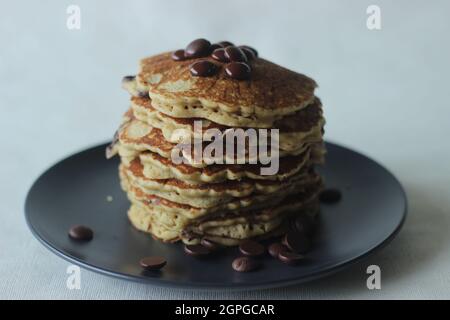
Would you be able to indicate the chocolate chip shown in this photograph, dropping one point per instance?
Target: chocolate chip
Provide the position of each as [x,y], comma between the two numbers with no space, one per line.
[197,48]
[290,257]
[110,151]
[209,244]
[235,54]
[251,248]
[81,233]
[276,248]
[128,78]
[255,53]
[153,262]
[203,68]
[304,224]
[330,196]
[143,94]
[225,44]
[196,250]
[245,264]
[214,46]
[238,70]
[297,242]
[219,55]
[248,53]
[178,55]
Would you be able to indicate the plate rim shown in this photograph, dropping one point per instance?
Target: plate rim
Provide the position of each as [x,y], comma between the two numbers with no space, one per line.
[327,271]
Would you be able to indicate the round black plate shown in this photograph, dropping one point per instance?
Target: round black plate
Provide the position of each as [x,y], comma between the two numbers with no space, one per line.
[75,191]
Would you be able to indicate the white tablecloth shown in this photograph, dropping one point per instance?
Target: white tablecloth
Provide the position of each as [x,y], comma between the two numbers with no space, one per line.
[385,92]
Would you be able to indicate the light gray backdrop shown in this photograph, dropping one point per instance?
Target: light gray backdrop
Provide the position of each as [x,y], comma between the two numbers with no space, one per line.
[386,93]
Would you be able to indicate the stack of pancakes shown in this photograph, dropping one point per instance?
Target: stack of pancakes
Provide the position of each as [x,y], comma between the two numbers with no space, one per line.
[224,203]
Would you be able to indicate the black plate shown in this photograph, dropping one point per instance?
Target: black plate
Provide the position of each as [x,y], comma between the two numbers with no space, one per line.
[75,190]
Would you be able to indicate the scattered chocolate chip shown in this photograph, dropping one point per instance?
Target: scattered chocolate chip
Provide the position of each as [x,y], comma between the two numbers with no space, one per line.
[304,224]
[235,54]
[276,248]
[225,44]
[251,248]
[330,196]
[153,262]
[196,250]
[197,48]
[209,244]
[219,55]
[128,78]
[245,264]
[255,53]
[178,55]
[203,69]
[238,70]
[297,242]
[290,257]
[81,233]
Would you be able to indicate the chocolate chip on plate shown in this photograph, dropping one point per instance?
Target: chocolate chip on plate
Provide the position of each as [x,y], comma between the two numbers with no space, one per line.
[153,262]
[330,196]
[198,48]
[219,55]
[203,68]
[225,43]
[81,233]
[238,70]
[297,242]
[245,264]
[276,248]
[235,54]
[251,248]
[290,257]
[178,55]
[196,250]
[209,244]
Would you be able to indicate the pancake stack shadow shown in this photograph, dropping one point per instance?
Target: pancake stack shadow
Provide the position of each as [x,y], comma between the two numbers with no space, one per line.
[225,203]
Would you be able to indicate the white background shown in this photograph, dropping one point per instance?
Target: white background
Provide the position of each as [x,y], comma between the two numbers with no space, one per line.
[385,93]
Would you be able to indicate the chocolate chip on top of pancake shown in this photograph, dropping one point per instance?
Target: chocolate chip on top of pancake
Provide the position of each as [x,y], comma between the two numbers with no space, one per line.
[270,93]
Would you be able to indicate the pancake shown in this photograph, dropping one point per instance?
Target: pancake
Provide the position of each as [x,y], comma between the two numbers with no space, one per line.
[269,222]
[158,167]
[136,136]
[211,195]
[253,202]
[303,126]
[177,194]
[272,92]
[225,230]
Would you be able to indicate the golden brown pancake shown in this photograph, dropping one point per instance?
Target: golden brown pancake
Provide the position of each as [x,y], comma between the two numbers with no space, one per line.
[304,125]
[137,194]
[158,167]
[226,229]
[272,91]
[212,195]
